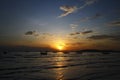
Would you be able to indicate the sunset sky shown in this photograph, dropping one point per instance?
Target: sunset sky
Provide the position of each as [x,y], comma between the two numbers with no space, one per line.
[60,24]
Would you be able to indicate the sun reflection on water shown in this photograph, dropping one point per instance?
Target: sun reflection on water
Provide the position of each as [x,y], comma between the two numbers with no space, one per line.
[60,63]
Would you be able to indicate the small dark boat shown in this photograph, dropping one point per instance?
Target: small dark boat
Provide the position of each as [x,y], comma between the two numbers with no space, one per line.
[43,53]
[5,52]
[105,52]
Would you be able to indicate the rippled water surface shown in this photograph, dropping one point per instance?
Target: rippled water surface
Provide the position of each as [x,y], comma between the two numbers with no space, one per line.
[59,66]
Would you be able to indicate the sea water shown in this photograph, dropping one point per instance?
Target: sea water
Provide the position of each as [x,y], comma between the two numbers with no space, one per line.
[59,66]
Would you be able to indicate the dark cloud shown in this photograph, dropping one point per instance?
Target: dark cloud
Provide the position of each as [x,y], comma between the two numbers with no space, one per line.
[86,32]
[100,37]
[29,32]
[32,33]
[83,33]
[75,33]
[114,23]
[72,34]
[75,44]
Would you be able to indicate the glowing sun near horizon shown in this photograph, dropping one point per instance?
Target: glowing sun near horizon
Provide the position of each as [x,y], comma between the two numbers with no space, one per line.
[60,46]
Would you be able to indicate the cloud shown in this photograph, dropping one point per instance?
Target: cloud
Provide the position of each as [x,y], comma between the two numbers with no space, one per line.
[75,44]
[82,33]
[87,3]
[100,37]
[96,16]
[29,32]
[47,34]
[114,23]
[75,33]
[67,10]
[32,33]
[86,32]
[71,9]
[73,26]
[72,34]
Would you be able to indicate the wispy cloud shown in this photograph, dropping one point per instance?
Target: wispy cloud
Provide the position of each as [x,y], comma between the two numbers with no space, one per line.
[44,35]
[82,33]
[87,3]
[96,16]
[73,26]
[100,37]
[71,9]
[75,44]
[75,33]
[86,32]
[47,35]
[114,23]
[67,10]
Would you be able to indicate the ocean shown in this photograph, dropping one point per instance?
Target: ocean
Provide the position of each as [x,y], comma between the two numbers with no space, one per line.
[59,66]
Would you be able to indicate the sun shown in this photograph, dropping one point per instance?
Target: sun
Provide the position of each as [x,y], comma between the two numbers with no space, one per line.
[60,47]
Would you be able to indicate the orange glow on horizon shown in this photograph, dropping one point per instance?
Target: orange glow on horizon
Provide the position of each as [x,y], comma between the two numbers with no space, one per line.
[59,45]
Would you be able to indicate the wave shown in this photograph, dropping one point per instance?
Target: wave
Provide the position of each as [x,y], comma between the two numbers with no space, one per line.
[96,67]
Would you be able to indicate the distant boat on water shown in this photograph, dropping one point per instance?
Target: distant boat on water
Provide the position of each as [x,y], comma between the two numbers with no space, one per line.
[105,52]
[5,52]
[43,53]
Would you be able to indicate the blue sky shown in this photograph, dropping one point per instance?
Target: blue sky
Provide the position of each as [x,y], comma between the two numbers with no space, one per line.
[33,20]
